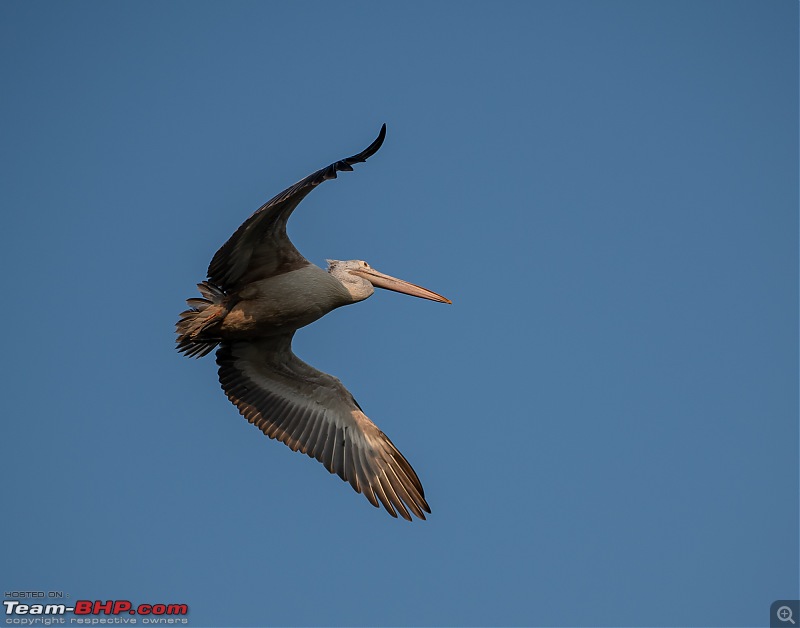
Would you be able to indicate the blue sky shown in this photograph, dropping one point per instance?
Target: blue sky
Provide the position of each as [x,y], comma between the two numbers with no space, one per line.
[605,420]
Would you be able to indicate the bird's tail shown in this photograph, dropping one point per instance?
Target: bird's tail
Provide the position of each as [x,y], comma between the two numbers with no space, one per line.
[195,329]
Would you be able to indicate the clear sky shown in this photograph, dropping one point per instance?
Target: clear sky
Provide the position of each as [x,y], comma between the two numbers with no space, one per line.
[605,421]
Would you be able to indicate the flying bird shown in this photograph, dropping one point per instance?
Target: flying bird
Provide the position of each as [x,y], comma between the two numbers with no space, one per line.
[259,291]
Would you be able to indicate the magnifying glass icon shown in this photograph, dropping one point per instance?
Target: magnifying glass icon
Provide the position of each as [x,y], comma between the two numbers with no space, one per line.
[785,614]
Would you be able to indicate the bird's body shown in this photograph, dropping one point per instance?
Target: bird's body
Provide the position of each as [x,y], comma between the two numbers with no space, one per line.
[283,303]
[259,291]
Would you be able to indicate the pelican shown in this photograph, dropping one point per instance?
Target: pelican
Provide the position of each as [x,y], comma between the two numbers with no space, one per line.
[259,291]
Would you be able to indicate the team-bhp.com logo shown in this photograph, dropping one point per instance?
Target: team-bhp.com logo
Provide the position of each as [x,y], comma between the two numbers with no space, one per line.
[88,611]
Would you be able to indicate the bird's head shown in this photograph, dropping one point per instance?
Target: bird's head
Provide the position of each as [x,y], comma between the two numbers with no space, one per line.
[360,279]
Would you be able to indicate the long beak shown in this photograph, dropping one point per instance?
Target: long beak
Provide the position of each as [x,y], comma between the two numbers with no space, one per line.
[379,280]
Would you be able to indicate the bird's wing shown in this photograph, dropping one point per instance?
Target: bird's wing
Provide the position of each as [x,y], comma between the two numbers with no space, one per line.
[260,247]
[312,412]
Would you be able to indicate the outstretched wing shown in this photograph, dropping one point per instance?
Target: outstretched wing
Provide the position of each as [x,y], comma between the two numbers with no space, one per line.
[312,412]
[260,247]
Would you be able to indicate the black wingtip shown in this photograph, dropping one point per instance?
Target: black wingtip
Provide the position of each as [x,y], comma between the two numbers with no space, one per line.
[381,136]
[370,150]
